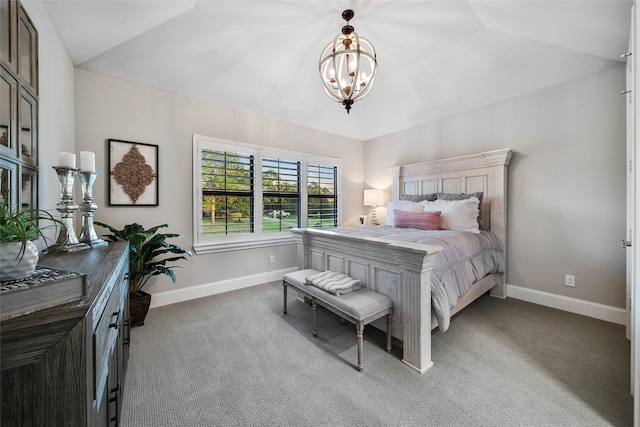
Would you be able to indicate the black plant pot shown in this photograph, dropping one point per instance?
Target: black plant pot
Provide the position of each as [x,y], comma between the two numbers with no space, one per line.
[139,307]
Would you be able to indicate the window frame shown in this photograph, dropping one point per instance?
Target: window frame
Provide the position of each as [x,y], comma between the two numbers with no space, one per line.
[258,238]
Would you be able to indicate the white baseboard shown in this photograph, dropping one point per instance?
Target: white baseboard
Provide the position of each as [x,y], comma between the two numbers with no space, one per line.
[185,294]
[572,305]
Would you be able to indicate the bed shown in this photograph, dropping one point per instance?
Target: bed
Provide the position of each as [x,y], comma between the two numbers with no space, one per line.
[403,268]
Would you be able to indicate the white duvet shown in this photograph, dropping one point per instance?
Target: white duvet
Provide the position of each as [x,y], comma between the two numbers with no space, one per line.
[466,258]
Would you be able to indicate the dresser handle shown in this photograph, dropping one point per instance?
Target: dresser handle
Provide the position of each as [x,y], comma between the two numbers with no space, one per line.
[114,399]
[127,328]
[115,324]
[115,391]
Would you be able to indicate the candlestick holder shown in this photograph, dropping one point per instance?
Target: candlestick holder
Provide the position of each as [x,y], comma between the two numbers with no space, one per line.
[88,207]
[67,239]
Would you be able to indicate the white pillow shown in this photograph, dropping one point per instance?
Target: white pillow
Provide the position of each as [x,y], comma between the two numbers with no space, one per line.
[402,205]
[459,215]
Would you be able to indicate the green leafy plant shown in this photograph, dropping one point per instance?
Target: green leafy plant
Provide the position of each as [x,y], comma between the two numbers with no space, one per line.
[145,250]
[24,225]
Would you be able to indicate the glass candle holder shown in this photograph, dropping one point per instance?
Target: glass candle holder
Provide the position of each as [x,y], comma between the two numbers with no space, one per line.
[88,207]
[67,239]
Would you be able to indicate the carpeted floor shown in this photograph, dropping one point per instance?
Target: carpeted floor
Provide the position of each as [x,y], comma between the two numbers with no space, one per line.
[235,360]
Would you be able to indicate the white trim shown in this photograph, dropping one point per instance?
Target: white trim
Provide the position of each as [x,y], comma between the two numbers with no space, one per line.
[573,305]
[193,292]
[560,302]
[208,248]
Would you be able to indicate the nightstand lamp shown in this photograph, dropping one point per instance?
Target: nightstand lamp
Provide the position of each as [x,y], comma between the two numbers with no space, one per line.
[373,197]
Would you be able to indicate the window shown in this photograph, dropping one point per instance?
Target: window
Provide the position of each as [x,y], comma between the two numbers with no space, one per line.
[280,194]
[251,196]
[321,192]
[227,192]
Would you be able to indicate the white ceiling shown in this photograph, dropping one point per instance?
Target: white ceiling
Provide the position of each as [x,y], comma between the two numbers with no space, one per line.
[435,58]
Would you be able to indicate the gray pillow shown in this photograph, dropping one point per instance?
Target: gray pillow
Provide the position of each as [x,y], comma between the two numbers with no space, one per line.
[478,195]
[419,197]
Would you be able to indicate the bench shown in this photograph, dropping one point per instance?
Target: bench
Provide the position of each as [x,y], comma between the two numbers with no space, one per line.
[360,307]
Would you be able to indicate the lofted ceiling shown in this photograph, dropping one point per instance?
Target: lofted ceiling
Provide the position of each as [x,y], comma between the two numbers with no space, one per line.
[435,58]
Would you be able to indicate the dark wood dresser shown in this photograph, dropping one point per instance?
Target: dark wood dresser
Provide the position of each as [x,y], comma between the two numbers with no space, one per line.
[65,366]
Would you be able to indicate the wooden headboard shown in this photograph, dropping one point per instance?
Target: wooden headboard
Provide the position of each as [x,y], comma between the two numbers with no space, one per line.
[486,172]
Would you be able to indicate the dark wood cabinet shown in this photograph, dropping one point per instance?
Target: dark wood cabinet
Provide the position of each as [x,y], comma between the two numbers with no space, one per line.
[66,365]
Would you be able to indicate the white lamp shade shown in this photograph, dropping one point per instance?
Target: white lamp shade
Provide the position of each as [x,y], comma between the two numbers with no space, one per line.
[373,197]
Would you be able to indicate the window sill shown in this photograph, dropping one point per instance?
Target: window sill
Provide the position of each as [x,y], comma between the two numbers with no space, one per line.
[208,248]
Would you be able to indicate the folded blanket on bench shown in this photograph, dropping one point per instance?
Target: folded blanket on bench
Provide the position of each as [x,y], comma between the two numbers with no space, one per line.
[336,283]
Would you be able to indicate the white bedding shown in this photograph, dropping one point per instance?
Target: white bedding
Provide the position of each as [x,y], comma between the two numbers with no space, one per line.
[466,258]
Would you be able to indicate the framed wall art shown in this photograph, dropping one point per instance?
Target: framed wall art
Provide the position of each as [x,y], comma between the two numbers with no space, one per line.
[133,173]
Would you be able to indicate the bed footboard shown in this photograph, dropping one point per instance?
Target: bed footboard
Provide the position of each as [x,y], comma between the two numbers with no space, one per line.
[400,271]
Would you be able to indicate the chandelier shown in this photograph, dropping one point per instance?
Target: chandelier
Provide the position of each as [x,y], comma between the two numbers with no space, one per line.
[348,65]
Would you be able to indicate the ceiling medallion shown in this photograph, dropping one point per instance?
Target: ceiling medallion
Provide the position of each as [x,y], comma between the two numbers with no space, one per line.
[348,65]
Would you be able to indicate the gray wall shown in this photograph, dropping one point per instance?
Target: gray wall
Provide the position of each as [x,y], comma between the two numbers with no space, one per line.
[111,108]
[56,112]
[566,181]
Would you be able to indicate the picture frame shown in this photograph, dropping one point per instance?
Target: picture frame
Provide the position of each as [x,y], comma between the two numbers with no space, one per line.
[133,173]
[362,220]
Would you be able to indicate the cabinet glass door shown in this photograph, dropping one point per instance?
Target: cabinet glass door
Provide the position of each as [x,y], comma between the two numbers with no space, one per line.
[8,114]
[7,183]
[27,136]
[28,196]
[25,50]
[5,28]
[5,112]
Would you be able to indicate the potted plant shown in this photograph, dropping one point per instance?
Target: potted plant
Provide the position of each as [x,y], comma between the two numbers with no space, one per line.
[18,230]
[146,248]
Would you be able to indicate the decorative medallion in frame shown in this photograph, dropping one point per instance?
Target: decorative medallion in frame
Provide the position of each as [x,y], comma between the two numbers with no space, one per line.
[133,173]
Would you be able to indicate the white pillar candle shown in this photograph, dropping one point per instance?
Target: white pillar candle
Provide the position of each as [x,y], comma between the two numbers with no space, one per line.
[67,160]
[87,161]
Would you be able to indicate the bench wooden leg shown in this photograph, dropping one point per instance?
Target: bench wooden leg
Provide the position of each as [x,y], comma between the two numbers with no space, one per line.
[360,333]
[389,332]
[314,305]
[284,285]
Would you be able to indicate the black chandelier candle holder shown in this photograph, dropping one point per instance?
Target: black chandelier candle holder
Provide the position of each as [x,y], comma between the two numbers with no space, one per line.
[88,207]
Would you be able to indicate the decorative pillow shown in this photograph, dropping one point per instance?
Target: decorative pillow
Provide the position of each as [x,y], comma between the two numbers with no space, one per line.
[463,196]
[402,205]
[419,197]
[420,220]
[456,214]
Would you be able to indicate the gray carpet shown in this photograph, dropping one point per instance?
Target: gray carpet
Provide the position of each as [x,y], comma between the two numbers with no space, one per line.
[235,360]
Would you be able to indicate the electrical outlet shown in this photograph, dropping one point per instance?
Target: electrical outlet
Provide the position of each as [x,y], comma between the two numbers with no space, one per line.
[272,259]
[570,280]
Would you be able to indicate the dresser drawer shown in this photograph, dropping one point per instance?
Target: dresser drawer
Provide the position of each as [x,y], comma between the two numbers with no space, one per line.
[105,335]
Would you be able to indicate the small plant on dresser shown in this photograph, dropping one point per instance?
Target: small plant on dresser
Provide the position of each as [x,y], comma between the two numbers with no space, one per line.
[18,230]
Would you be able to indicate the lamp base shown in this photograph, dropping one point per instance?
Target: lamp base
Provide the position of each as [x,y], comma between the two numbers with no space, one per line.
[374,220]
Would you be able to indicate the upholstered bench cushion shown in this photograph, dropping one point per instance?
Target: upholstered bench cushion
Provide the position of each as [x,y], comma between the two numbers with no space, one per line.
[362,306]
[299,278]
[359,304]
